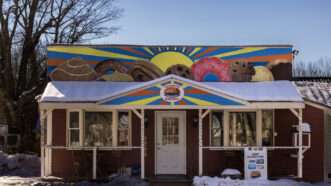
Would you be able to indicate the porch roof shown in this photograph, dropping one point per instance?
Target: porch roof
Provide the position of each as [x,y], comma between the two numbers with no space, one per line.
[95,91]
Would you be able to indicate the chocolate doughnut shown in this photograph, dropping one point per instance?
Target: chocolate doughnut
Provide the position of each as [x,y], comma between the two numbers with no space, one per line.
[145,71]
[241,71]
[116,77]
[102,67]
[180,70]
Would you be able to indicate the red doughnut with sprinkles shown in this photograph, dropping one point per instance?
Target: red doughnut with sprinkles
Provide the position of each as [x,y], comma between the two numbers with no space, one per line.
[211,69]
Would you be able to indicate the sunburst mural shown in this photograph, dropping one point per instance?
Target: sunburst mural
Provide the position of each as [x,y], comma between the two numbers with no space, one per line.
[143,63]
[191,95]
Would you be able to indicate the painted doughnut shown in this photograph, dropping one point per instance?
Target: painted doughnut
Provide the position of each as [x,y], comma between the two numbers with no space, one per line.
[116,77]
[180,70]
[241,71]
[74,70]
[145,71]
[211,69]
[109,66]
[262,74]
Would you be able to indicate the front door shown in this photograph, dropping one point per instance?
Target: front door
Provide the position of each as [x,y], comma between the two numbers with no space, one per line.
[170,142]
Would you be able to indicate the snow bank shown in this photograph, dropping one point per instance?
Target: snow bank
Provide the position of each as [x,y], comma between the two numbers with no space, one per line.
[216,181]
[230,172]
[53,181]
[23,165]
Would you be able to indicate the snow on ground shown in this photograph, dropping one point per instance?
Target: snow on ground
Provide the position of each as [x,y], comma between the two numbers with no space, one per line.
[36,181]
[24,165]
[216,181]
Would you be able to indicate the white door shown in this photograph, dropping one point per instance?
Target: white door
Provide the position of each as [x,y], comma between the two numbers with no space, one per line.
[170,142]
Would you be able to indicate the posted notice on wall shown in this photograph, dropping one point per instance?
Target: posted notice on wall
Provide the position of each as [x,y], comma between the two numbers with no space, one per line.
[256,165]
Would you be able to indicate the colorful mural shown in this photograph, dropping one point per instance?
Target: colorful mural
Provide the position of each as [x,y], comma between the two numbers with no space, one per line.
[172,93]
[144,63]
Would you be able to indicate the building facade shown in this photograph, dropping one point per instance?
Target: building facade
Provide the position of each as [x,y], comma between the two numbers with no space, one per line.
[182,110]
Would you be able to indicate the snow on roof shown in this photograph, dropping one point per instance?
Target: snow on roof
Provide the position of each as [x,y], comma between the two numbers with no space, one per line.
[316,91]
[260,91]
[93,91]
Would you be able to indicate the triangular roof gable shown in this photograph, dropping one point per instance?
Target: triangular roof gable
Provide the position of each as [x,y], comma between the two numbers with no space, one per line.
[193,93]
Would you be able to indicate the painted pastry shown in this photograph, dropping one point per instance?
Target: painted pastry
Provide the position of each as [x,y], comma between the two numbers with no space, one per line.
[109,66]
[211,69]
[180,70]
[262,74]
[241,71]
[282,71]
[74,70]
[255,174]
[117,77]
[145,71]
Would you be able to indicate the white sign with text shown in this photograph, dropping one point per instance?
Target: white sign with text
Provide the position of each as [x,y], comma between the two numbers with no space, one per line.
[256,165]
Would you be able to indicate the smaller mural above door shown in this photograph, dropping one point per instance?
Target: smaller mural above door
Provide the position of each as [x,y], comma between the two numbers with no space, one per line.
[125,63]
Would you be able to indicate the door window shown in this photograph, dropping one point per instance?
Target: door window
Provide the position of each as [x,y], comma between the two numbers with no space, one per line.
[170,130]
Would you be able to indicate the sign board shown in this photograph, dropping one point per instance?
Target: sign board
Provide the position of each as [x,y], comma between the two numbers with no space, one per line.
[172,93]
[256,165]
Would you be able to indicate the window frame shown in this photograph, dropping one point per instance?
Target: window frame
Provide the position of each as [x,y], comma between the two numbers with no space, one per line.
[129,127]
[274,133]
[82,127]
[227,125]
[211,127]
[258,139]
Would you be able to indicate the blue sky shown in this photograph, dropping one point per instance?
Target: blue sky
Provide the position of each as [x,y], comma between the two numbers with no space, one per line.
[306,24]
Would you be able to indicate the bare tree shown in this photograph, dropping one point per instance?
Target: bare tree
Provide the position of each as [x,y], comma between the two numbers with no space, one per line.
[318,68]
[26,26]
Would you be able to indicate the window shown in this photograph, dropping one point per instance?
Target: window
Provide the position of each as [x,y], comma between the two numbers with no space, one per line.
[216,129]
[124,128]
[267,127]
[242,129]
[73,129]
[98,128]
[170,130]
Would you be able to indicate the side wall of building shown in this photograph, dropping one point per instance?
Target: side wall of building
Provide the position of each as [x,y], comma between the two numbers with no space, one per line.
[78,163]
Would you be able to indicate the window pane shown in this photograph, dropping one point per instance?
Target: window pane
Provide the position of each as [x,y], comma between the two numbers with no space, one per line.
[170,130]
[123,128]
[74,137]
[98,129]
[243,129]
[74,120]
[267,128]
[216,130]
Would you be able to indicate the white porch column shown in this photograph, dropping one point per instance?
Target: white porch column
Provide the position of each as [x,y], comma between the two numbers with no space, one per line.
[43,114]
[94,176]
[142,152]
[115,128]
[49,132]
[226,119]
[259,128]
[300,151]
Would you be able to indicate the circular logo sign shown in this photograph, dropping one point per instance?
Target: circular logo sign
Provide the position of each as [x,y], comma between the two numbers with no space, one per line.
[172,93]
